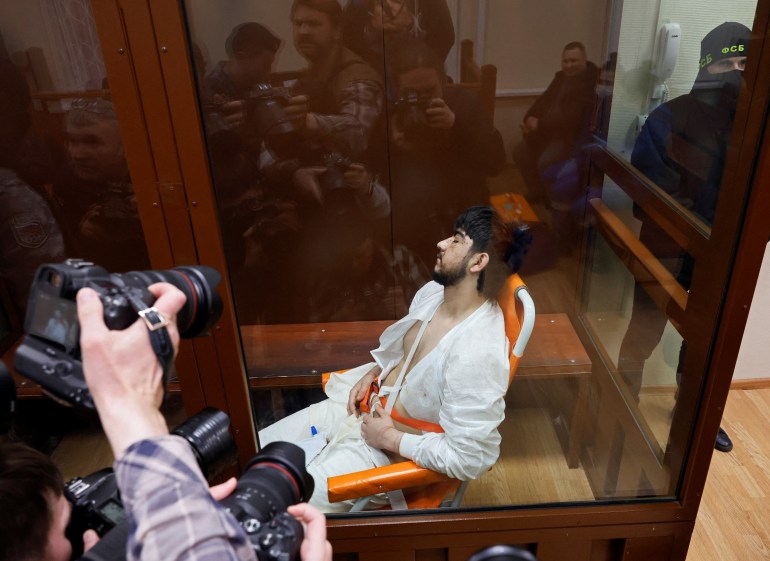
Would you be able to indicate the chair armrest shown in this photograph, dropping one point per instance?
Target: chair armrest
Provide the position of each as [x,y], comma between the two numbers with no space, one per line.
[379,480]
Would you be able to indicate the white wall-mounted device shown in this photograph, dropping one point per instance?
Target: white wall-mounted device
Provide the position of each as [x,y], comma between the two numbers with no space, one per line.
[666,51]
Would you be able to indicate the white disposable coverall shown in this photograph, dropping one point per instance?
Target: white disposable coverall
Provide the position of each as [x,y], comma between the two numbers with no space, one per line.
[460,385]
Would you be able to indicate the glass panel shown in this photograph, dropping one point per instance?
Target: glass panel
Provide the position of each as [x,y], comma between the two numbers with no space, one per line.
[638,275]
[676,94]
[344,142]
[65,191]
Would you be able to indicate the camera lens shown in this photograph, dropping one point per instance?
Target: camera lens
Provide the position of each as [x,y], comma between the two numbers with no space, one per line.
[203,307]
[208,434]
[275,479]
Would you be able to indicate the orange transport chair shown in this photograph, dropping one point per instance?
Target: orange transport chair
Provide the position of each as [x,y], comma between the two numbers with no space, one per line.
[422,487]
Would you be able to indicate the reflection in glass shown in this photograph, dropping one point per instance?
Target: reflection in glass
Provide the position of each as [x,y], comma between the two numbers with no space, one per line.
[343,144]
[65,182]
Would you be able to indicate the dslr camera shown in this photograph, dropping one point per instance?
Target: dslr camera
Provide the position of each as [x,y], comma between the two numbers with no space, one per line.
[274,479]
[410,112]
[334,177]
[50,352]
[95,498]
[266,115]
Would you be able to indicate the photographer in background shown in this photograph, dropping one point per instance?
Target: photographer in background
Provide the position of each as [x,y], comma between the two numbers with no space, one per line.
[442,148]
[36,531]
[172,513]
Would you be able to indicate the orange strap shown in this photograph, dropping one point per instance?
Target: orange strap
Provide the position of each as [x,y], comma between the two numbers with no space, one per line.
[414,423]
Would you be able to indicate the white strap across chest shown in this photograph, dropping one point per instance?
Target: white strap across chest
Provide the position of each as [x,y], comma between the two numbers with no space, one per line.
[393,391]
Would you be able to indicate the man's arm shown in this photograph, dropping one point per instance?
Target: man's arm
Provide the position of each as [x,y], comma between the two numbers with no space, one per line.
[542,103]
[651,151]
[350,128]
[171,512]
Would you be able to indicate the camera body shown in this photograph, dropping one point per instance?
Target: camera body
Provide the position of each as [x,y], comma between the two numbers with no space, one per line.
[265,113]
[96,504]
[334,177]
[50,351]
[410,112]
[274,479]
[95,498]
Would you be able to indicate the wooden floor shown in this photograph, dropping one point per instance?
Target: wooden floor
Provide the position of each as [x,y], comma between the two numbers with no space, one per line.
[734,517]
[733,521]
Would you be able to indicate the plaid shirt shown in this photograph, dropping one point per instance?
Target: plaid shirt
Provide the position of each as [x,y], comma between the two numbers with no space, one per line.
[350,128]
[172,514]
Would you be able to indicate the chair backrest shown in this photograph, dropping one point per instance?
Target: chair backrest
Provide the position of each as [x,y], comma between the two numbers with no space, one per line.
[482,79]
[519,313]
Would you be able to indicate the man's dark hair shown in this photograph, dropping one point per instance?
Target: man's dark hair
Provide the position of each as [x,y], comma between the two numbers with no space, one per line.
[331,8]
[29,482]
[506,244]
[252,38]
[412,53]
[575,45]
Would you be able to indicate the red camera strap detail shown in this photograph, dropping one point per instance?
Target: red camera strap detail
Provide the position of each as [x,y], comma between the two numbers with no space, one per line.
[286,473]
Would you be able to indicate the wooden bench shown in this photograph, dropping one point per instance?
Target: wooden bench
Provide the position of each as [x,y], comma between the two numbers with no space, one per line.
[295,356]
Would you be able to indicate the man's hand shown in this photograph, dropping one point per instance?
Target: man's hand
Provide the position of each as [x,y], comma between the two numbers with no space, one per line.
[391,15]
[529,125]
[298,109]
[315,546]
[379,431]
[223,490]
[121,369]
[306,182]
[234,113]
[358,391]
[440,116]
[90,539]
[358,178]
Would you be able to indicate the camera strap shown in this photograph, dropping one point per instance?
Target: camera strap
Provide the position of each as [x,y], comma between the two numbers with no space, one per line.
[160,340]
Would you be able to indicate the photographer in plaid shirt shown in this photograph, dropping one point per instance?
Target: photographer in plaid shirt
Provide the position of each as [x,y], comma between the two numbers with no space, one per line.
[173,515]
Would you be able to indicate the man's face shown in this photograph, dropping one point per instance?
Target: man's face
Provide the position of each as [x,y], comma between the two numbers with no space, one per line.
[96,151]
[424,82]
[727,65]
[58,547]
[573,62]
[314,34]
[454,254]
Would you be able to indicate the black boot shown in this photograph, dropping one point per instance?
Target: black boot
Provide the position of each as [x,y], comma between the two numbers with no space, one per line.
[723,443]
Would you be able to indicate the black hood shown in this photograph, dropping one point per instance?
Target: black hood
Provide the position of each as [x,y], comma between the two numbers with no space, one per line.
[727,40]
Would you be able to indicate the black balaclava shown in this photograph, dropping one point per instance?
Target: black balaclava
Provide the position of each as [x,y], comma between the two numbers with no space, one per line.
[727,40]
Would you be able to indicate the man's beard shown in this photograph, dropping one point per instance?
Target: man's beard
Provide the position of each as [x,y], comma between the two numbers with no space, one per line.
[453,276]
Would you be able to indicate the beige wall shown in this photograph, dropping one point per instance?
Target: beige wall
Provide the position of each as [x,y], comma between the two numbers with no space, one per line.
[754,356]
[211,22]
[641,20]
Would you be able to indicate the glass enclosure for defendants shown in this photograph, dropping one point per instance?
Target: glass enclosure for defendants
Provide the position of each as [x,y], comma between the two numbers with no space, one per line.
[316,151]
[328,234]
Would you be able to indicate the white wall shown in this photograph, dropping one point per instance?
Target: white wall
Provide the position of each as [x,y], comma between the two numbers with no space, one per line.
[754,356]
[641,20]
[210,24]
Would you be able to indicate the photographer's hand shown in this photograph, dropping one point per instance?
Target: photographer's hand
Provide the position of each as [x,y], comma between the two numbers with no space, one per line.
[358,178]
[306,182]
[440,116]
[121,369]
[298,108]
[315,546]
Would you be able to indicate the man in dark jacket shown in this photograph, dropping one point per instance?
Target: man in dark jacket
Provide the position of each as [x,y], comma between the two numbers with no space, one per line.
[555,129]
[682,148]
